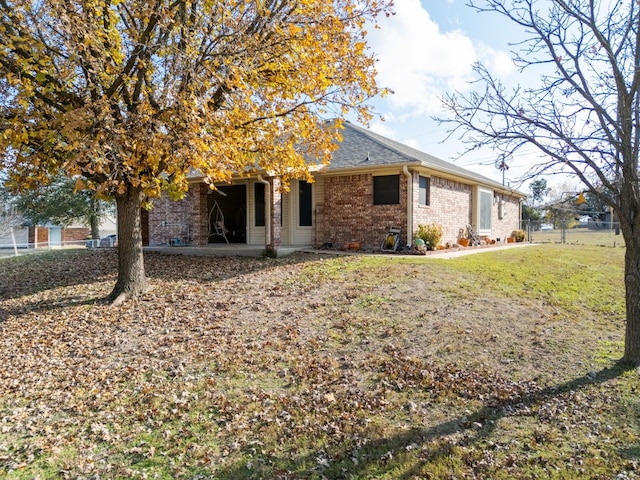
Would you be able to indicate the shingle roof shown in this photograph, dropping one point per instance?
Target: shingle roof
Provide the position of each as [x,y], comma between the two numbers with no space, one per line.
[362,148]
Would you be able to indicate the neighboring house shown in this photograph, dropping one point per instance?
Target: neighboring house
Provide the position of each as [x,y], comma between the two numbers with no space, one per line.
[373,183]
[42,236]
[53,236]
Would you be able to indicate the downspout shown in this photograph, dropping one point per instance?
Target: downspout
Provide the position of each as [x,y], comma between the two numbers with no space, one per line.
[267,210]
[407,173]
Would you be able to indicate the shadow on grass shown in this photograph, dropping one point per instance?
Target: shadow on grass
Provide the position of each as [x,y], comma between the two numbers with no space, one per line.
[377,457]
[31,274]
[39,306]
[28,275]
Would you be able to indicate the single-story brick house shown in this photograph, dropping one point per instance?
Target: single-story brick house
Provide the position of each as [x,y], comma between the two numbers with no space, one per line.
[49,236]
[373,183]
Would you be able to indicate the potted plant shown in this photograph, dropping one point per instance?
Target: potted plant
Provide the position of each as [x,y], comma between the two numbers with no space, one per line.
[518,235]
[431,235]
[463,237]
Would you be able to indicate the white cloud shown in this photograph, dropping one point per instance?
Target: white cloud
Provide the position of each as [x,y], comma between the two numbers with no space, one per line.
[385,130]
[382,129]
[418,61]
[499,63]
[421,60]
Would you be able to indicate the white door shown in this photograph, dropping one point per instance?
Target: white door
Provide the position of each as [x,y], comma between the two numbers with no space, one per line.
[55,236]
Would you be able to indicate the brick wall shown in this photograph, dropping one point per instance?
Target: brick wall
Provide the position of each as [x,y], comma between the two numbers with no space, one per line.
[450,206]
[184,219]
[75,234]
[502,227]
[39,236]
[349,214]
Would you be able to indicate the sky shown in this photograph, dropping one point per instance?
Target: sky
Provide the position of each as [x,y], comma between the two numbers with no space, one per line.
[426,50]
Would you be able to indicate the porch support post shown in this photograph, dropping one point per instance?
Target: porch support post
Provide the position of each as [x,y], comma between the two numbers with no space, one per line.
[276,209]
[267,211]
[409,176]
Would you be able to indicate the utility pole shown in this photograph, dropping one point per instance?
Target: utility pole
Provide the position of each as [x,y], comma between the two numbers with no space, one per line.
[503,167]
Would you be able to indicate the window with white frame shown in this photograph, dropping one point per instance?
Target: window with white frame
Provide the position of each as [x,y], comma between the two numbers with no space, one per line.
[485,204]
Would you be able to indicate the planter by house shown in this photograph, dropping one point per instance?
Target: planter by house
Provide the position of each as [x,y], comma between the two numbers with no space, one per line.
[464,242]
[518,235]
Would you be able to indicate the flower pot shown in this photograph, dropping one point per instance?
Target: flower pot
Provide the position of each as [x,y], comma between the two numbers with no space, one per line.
[355,246]
[464,242]
[511,239]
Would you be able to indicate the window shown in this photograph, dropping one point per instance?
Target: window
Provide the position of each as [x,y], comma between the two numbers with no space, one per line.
[258,201]
[486,202]
[423,195]
[386,190]
[305,204]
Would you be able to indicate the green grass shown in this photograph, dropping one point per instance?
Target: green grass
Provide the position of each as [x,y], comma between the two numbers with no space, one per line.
[568,276]
[499,365]
[580,236]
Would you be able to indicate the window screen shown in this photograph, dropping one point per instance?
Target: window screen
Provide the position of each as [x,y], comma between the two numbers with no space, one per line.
[486,200]
[305,204]
[386,190]
[424,191]
[258,201]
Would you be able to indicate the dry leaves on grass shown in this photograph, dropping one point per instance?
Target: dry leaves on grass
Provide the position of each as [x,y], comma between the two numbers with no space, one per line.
[240,368]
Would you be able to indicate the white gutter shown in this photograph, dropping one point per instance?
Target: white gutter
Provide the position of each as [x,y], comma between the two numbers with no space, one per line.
[407,173]
[267,211]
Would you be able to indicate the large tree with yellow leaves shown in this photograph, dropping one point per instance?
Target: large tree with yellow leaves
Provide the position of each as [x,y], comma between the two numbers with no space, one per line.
[129,96]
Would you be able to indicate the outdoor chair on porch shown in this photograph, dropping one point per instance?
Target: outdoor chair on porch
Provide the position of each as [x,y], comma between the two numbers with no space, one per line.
[216,222]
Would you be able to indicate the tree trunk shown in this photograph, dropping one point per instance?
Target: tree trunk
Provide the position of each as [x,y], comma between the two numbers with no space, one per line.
[94,219]
[632,288]
[131,279]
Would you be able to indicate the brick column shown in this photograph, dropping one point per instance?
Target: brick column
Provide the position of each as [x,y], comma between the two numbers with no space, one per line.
[199,214]
[276,212]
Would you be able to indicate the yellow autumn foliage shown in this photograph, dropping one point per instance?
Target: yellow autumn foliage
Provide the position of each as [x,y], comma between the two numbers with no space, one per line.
[128,91]
[135,96]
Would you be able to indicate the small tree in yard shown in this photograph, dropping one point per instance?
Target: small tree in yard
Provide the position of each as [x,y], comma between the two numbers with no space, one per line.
[584,115]
[57,202]
[132,95]
[9,216]
[539,190]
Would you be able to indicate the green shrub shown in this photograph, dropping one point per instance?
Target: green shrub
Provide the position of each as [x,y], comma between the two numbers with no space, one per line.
[519,235]
[431,234]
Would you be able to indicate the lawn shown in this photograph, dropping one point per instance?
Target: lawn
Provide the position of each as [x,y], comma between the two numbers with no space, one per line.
[498,365]
[579,236]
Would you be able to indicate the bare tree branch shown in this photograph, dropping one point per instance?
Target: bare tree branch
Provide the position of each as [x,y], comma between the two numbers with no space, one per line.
[583,117]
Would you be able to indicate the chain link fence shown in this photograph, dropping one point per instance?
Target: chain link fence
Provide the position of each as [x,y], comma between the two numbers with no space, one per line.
[591,232]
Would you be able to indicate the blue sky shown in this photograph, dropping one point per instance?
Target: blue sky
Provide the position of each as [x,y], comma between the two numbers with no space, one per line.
[427,49]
